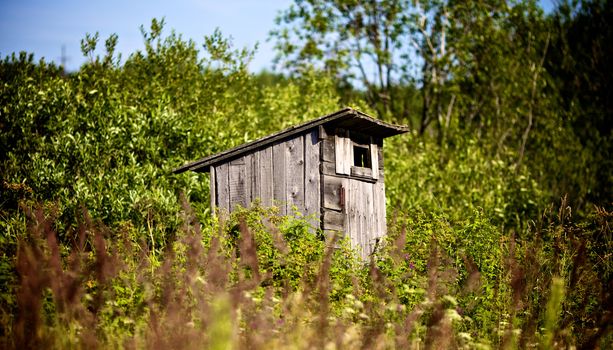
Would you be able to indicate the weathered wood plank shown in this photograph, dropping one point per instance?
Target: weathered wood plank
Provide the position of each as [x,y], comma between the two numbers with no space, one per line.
[343,152]
[327,168]
[257,177]
[376,210]
[237,183]
[334,220]
[249,178]
[279,177]
[312,178]
[265,180]
[370,230]
[339,151]
[213,189]
[380,193]
[374,158]
[223,187]
[295,174]
[332,186]
[327,150]
[353,214]
[363,208]
[362,221]
[361,172]
[322,133]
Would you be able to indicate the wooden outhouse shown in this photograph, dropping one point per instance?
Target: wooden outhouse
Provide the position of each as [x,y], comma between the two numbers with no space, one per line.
[330,169]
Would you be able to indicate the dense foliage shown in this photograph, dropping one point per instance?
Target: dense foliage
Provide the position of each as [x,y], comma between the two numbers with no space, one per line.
[99,245]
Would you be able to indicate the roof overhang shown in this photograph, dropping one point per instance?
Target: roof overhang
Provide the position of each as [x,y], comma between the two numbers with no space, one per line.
[347,118]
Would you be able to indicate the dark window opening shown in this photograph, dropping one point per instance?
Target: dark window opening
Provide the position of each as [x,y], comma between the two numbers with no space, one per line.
[361,157]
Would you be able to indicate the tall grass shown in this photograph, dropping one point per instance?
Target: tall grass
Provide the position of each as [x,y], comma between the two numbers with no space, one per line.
[218,287]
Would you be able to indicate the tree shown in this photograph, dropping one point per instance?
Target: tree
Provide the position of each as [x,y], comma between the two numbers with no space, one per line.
[459,55]
[359,42]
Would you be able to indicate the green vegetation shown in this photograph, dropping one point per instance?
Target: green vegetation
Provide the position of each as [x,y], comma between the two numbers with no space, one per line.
[499,201]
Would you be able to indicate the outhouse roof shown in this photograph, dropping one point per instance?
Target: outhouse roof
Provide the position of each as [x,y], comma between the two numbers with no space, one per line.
[347,118]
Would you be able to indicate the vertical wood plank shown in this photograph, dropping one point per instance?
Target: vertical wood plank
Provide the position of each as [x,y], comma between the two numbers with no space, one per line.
[327,150]
[257,177]
[362,209]
[213,189]
[266,176]
[363,212]
[348,155]
[237,183]
[352,213]
[376,210]
[360,203]
[321,132]
[223,187]
[370,231]
[295,174]
[380,156]
[312,178]
[343,152]
[339,150]
[278,177]
[380,198]
[249,179]
[374,158]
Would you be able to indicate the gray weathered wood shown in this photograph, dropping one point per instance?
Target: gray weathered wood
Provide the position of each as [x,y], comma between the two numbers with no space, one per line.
[321,132]
[249,178]
[265,179]
[380,199]
[343,152]
[361,172]
[256,191]
[237,183]
[332,192]
[362,218]
[327,150]
[223,186]
[369,231]
[327,168]
[376,211]
[312,178]
[313,172]
[212,189]
[295,174]
[279,177]
[345,118]
[362,209]
[374,159]
[352,222]
[334,220]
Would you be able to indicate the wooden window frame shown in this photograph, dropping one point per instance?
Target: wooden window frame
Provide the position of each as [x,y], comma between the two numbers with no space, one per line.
[345,144]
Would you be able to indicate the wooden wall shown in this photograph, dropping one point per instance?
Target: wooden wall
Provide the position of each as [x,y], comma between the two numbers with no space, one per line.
[312,174]
[285,174]
[352,204]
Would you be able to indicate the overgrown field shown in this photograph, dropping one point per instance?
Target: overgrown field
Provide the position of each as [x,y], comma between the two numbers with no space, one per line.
[499,213]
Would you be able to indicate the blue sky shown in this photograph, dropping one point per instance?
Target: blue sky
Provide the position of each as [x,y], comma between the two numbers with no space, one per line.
[43,27]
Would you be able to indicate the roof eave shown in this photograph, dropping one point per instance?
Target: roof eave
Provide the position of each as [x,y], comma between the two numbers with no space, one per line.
[204,164]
